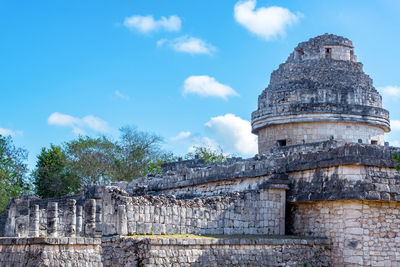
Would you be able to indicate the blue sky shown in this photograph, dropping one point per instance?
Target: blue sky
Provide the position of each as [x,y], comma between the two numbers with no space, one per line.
[186,70]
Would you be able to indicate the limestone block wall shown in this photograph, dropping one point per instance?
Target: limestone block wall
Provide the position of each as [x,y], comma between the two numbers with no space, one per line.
[362,233]
[299,133]
[215,252]
[253,212]
[33,252]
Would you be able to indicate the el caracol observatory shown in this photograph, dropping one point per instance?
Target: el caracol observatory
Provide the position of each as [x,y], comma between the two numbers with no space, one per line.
[322,191]
[320,93]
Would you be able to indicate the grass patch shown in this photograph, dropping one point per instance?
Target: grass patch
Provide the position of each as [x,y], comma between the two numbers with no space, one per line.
[183,236]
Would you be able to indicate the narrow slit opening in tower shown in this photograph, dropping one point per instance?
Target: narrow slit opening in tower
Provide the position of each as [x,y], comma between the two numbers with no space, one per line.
[352,55]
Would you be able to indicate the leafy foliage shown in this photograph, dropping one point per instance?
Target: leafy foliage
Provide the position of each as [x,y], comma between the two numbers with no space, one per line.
[397,158]
[86,160]
[208,154]
[12,171]
[53,176]
[91,159]
[138,154]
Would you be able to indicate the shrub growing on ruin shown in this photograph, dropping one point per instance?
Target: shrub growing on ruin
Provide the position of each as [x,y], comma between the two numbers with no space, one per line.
[397,158]
[208,154]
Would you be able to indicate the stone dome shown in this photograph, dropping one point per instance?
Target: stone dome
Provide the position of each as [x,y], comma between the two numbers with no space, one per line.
[321,92]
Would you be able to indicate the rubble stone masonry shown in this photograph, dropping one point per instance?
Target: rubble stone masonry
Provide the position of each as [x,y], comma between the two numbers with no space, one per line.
[362,233]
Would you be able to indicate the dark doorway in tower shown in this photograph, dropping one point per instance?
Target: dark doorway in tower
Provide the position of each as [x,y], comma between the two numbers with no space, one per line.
[281,142]
[328,52]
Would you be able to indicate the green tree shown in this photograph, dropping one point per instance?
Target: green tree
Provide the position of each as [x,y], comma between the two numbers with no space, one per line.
[92,160]
[13,171]
[138,154]
[53,176]
[397,158]
[208,154]
[86,160]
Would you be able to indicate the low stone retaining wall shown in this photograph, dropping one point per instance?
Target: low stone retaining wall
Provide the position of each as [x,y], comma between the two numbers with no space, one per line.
[244,251]
[62,251]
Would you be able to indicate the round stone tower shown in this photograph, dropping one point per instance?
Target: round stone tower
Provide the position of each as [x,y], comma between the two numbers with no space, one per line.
[320,93]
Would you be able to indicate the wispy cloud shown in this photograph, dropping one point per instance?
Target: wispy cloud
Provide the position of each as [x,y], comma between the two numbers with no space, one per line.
[233,133]
[188,44]
[393,91]
[181,136]
[147,24]
[78,125]
[266,22]
[8,132]
[121,95]
[207,86]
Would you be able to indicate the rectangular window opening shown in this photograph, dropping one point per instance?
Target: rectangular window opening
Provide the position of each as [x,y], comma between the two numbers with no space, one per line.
[374,142]
[281,142]
[328,52]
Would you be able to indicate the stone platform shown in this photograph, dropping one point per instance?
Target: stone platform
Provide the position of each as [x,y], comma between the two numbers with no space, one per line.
[172,250]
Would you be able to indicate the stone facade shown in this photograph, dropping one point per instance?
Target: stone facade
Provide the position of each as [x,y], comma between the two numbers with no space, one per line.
[323,174]
[310,132]
[363,233]
[216,252]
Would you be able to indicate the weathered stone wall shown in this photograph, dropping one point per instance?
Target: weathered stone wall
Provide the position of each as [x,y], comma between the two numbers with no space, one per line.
[33,252]
[216,252]
[345,182]
[251,212]
[363,233]
[299,133]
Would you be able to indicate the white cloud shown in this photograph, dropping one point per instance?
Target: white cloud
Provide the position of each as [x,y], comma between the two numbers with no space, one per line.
[147,24]
[78,125]
[8,132]
[390,91]
[233,133]
[395,125]
[181,136]
[266,22]
[121,95]
[187,44]
[207,86]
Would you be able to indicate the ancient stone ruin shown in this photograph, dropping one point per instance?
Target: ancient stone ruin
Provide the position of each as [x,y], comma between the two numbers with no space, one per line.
[323,190]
